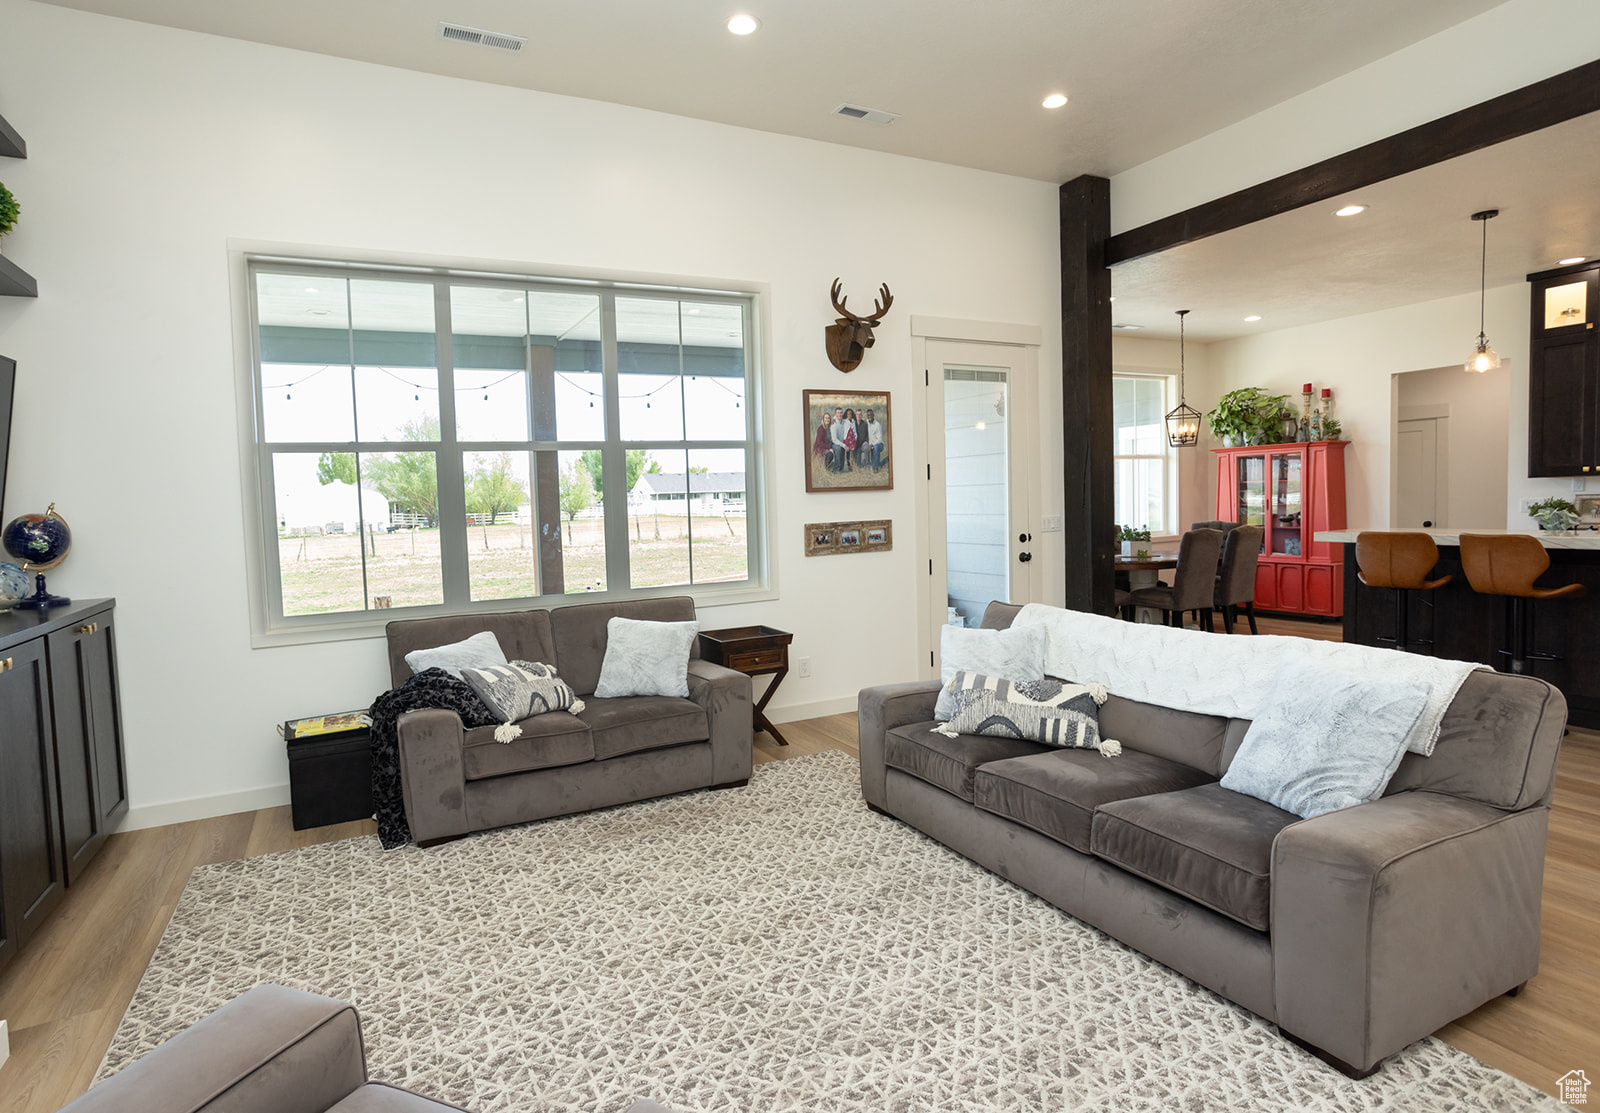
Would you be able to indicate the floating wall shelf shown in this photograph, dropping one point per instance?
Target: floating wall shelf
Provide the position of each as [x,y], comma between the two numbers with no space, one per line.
[14,281]
[11,144]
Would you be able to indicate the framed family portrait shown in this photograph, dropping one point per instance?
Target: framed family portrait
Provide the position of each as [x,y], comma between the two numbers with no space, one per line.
[1588,509]
[849,443]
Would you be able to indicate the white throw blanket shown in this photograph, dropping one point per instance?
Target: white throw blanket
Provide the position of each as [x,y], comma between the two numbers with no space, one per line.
[1219,674]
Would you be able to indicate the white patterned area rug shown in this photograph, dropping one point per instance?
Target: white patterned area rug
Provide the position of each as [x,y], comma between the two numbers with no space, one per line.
[762,950]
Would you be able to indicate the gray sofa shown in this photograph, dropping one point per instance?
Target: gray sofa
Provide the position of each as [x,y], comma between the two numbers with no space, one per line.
[1356,932]
[270,1050]
[615,751]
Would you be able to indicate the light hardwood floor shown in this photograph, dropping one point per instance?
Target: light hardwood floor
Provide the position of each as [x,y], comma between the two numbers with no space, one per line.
[67,991]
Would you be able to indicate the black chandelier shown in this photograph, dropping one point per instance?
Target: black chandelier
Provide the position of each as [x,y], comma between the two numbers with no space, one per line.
[1183,423]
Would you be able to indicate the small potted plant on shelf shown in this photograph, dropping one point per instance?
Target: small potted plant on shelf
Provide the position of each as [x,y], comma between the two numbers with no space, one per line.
[1128,535]
[1554,514]
[8,210]
[1248,415]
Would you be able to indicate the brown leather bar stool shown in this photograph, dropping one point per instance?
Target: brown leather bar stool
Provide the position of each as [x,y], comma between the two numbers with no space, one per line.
[1400,562]
[1507,564]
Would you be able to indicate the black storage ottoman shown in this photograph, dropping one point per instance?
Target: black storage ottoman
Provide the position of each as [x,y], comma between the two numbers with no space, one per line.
[330,778]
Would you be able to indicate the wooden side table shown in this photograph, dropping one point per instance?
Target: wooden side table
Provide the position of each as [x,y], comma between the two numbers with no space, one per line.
[754,651]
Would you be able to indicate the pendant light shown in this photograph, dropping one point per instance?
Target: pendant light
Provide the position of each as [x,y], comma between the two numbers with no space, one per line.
[1483,358]
[1183,423]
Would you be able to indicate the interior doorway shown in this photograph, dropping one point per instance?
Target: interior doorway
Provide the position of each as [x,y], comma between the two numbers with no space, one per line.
[1449,448]
[1421,455]
[982,472]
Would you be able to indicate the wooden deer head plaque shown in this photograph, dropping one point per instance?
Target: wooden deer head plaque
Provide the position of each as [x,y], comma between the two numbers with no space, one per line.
[850,336]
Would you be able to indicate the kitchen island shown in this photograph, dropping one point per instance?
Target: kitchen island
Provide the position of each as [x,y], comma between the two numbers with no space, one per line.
[1472,627]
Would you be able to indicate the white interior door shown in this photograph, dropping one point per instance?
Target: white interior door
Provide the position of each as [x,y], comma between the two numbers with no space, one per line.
[1417,501]
[982,425]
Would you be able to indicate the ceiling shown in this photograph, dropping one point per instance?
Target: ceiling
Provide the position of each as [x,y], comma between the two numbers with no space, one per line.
[1415,242]
[1144,76]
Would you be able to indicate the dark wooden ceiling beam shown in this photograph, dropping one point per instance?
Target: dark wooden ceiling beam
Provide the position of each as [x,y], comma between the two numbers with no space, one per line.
[1532,108]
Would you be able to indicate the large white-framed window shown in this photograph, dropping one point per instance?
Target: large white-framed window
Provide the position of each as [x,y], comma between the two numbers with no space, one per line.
[432,442]
[1146,465]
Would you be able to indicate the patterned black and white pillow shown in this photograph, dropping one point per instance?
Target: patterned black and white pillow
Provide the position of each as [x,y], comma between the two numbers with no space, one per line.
[520,690]
[1054,712]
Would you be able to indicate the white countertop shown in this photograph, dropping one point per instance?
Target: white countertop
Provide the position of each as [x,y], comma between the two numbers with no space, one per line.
[1582,539]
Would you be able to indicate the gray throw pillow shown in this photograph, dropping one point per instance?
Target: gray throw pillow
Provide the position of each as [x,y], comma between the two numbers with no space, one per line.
[520,690]
[1051,711]
[477,652]
[1326,739]
[646,658]
[1016,654]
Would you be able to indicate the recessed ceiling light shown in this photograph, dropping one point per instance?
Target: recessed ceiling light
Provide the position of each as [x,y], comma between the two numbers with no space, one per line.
[1574,259]
[1254,317]
[1055,100]
[311,289]
[1128,328]
[1350,210]
[742,24]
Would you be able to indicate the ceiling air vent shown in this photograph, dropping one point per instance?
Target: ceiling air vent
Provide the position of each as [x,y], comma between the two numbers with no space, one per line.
[870,115]
[476,36]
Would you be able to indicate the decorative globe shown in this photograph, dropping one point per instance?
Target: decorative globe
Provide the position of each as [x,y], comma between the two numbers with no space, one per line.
[38,541]
[14,584]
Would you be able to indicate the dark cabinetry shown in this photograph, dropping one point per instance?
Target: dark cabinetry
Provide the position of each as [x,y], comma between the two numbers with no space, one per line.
[1564,373]
[63,783]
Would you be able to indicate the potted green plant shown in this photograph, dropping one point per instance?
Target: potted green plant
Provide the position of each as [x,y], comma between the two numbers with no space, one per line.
[8,210]
[1127,535]
[1554,513]
[1248,415]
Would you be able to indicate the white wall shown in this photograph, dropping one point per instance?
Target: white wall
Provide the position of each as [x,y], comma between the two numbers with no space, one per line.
[1479,438]
[1357,356]
[152,149]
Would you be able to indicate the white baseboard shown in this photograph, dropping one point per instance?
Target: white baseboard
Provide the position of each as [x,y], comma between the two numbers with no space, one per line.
[793,711]
[5,1043]
[204,807]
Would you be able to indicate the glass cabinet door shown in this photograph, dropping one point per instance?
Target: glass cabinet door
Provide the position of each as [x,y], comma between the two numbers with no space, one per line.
[1252,510]
[1287,487]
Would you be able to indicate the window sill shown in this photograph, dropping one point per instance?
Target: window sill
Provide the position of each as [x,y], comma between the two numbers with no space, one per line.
[371,624]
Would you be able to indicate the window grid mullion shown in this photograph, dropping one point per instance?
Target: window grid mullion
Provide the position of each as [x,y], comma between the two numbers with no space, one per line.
[449,462]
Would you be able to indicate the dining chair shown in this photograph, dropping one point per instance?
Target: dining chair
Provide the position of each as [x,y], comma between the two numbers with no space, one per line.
[1193,584]
[1236,579]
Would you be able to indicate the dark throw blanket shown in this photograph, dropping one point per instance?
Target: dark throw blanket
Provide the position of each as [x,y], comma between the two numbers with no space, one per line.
[428,689]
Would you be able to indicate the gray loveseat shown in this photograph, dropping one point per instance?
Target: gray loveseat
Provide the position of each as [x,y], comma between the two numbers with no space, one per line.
[271,1050]
[1356,932]
[615,751]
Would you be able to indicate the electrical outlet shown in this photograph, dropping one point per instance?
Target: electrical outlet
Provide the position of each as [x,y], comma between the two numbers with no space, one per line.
[1523,505]
[1052,524]
[802,667]
[1580,484]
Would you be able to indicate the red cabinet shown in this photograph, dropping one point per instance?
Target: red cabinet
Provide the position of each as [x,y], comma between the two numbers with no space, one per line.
[1293,491]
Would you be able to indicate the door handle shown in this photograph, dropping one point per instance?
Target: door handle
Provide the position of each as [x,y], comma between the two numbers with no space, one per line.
[1024,557]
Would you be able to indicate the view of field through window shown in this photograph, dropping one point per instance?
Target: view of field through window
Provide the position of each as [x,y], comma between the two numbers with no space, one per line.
[381,486]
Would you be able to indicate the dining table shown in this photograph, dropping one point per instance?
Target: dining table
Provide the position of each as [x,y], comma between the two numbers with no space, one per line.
[1143,571]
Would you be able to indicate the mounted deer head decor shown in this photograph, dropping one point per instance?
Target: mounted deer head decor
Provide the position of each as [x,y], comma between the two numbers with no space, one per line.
[850,336]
